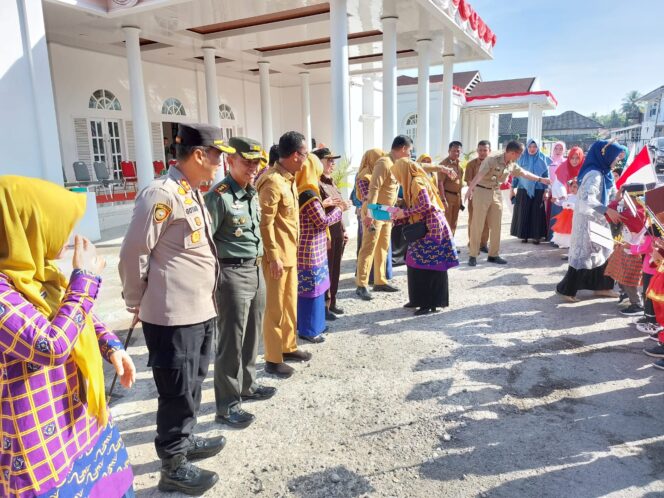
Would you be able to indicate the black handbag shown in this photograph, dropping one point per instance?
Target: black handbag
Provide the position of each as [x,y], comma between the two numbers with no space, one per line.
[414,231]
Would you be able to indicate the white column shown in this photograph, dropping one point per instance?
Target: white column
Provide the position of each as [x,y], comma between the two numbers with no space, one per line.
[139,108]
[211,93]
[306,107]
[534,122]
[340,83]
[266,103]
[423,96]
[30,144]
[389,79]
[368,113]
[468,145]
[448,82]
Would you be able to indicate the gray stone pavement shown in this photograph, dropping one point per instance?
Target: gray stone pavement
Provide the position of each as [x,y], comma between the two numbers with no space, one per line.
[508,392]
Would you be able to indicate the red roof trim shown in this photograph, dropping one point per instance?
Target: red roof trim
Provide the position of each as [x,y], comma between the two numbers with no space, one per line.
[519,94]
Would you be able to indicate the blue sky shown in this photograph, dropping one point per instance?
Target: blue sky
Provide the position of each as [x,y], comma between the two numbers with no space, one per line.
[589,53]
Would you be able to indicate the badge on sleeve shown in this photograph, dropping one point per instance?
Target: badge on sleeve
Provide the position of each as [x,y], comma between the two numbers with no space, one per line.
[195,237]
[238,232]
[161,212]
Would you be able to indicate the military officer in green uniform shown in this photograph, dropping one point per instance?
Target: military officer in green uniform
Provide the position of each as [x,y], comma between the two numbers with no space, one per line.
[233,206]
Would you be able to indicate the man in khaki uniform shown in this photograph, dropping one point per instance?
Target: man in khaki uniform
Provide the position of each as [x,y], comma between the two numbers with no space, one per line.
[450,185]
[168,268]
[280,229]
[383,189]
[483,150]
[485,193]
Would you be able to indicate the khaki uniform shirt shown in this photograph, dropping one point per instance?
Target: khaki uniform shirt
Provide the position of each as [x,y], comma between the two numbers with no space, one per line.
[280,218]
[168,263]
[235,220]
[471,170]
[383,187]
[494,171]
[445,183]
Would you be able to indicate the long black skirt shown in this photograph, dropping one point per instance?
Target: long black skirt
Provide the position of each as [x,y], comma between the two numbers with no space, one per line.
[576,280]
[529,217]
[428,288]
[399,246]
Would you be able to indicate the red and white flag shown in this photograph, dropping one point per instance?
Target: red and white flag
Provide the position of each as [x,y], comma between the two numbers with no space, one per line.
[639,171]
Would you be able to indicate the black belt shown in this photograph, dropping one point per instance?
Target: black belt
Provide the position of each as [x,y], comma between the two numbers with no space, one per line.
[488,188]
[241,261]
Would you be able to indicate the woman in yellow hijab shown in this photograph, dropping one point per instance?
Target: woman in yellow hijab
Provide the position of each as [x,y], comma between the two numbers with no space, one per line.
[429,257]
[366,170]
[313,275]
[51,349]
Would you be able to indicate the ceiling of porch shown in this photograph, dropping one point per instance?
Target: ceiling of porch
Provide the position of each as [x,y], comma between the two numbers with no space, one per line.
[292,34]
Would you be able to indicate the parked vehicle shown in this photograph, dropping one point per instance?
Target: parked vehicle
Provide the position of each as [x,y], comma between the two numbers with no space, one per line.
[656,147]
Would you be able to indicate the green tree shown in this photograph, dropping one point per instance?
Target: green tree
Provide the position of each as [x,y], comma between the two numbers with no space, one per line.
[630,107]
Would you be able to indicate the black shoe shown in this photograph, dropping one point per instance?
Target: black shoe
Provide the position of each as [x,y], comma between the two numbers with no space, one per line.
[659,364]
[336,310]
[472,261]
[385,288]
[297,356]
[409,305]
[281,370]
[422,311]
[645,319]
[497,260]
[314,339]
[204,447]
[656,352]
[524,241]
[236,419]
[179,474]
[363,293]
[484,249]
[329,316]
[654,336]
[536,242]
[260,393]
[632,310]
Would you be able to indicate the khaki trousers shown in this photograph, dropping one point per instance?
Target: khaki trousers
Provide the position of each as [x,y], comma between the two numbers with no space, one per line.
[452,209]
[375,244]
[279,323]
[488,208]
[485,232]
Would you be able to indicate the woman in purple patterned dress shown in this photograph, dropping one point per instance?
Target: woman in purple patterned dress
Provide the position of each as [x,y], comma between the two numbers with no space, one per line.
[313,276]
[429,257]
[57,435]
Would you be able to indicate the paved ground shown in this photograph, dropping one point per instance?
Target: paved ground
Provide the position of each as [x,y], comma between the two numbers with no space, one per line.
[506,393]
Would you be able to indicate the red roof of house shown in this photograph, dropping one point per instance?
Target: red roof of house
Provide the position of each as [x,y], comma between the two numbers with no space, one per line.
[502,87]
[462,79]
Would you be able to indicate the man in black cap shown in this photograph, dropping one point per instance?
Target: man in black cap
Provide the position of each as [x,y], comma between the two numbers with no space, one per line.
[168,268]
[233,206]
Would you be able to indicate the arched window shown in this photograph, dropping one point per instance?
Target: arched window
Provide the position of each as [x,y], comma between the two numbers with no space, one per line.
[173,107]
[411,127]
[105,100]
[225,112]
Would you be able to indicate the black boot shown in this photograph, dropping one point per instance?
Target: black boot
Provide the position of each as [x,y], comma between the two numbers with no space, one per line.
[179,474]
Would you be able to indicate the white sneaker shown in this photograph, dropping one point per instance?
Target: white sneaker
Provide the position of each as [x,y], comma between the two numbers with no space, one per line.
[648,328]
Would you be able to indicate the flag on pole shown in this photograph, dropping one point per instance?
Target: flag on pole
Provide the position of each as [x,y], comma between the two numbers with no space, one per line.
[640,171]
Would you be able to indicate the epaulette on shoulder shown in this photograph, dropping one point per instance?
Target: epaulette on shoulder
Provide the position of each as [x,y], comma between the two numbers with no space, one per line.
[222,188]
